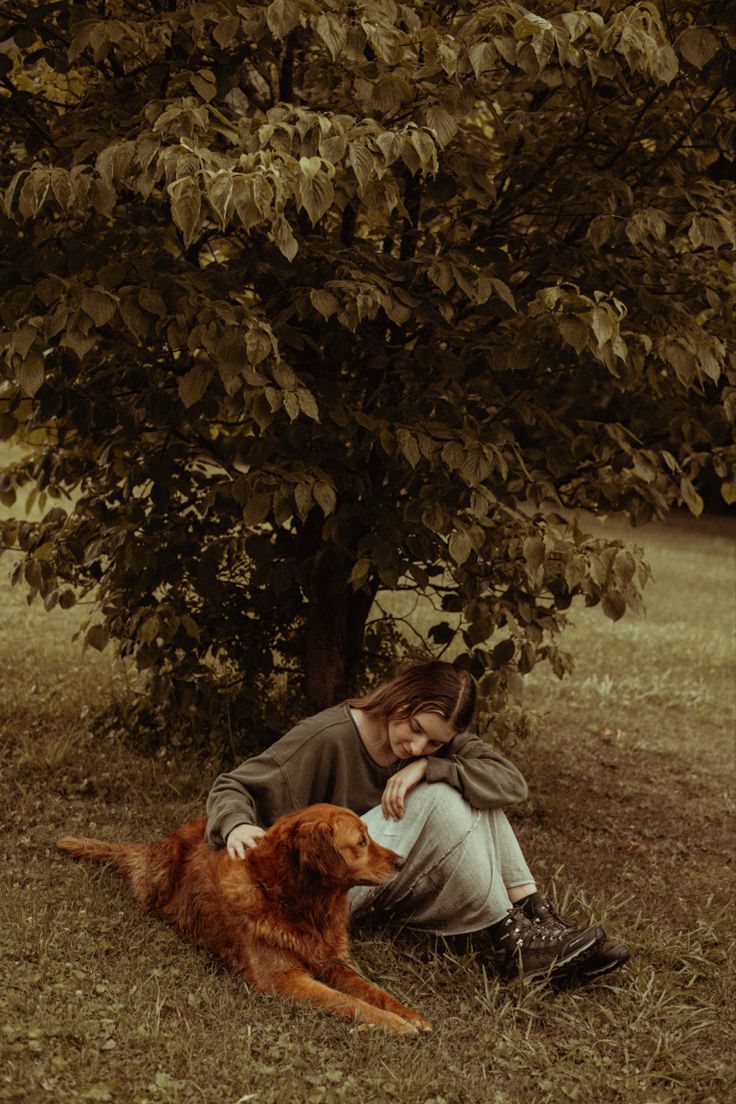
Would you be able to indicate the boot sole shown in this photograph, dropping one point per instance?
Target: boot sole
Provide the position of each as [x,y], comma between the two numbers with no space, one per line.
[621,954]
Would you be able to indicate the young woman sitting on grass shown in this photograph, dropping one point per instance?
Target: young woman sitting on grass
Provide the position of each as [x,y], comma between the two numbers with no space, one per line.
[402,758]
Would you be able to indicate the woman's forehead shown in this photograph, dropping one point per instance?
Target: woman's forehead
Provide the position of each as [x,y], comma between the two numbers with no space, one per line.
[435,725]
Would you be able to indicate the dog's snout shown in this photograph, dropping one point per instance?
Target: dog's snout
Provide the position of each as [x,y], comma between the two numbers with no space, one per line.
[399,861]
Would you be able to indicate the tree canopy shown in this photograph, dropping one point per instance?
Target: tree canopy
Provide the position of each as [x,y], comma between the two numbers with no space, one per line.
[301,301]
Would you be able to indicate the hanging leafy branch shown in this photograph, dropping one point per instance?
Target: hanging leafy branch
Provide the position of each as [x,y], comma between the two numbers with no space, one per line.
[302,302]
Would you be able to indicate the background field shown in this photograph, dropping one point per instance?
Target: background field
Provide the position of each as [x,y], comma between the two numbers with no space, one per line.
[630,821]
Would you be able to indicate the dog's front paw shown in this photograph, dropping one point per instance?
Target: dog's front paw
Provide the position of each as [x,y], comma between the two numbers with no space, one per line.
[389,1021]
[418,1021]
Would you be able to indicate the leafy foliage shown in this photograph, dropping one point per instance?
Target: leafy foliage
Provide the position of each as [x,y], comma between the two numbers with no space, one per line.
[301,301]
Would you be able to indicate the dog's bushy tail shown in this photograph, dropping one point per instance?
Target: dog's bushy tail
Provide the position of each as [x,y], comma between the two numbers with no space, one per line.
[85,848]
[143,865]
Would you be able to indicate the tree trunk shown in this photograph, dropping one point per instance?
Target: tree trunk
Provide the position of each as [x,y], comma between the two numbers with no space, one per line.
[336,620]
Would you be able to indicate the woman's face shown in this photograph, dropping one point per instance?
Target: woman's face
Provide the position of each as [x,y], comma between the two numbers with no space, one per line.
[421,734]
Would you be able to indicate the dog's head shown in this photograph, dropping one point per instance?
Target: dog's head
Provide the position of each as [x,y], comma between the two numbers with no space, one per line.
[333,843]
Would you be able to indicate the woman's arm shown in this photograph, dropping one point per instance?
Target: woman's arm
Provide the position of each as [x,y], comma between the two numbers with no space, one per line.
[254,793]
[293,772]
[485,779]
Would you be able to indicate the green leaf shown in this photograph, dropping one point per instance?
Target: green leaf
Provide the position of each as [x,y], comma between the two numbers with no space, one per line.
[186,206]
[332,32]
[614,604]
[314,188]
[30,373]
[442,633]
[360,573]
[258,344]
[190,626]
[728,492]
[23,339]
[231,359]
[226,31]
[151,301]
[99,305]
[204,83]
[534,553]
[408,446]
[324,496]
[97,637]
[624,568]
[257,508]
[503,653]
[303,499]
[291,405]
[308,404]
[134,318]
[34,192]
[475,467]
[389,92]
[282,17]
[324,302]
[220,195]
[460,546]
[600,230]
[434,517]
[149,629]
[602,324]
[482,57]
[252,198]
[690,497]
[573,331]
[441,122]
[284,238]
[698,45]
[503,291]
[8,426]
[362,163]
[193,385]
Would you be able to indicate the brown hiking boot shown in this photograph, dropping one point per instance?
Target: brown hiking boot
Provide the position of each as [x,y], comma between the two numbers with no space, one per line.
[601,959]
[534,950]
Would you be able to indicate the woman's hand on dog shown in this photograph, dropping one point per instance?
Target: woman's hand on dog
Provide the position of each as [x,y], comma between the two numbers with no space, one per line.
[241,837]
[392,799]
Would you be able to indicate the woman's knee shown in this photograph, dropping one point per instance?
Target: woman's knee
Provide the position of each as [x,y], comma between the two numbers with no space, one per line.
[440,800]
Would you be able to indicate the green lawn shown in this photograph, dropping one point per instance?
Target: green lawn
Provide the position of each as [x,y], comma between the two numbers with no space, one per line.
[630,821]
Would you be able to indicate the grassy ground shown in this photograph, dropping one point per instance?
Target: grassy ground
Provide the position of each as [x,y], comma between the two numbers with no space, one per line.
[628,822]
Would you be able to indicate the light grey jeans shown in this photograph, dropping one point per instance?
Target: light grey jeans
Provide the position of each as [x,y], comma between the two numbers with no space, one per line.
[460,862]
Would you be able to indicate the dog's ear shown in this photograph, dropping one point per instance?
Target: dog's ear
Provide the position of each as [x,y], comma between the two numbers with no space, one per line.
[317,850]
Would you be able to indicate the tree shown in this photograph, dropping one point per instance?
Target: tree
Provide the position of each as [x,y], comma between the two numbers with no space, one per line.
[302,301]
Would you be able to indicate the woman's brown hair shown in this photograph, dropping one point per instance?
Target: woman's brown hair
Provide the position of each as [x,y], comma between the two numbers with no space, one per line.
[434,687]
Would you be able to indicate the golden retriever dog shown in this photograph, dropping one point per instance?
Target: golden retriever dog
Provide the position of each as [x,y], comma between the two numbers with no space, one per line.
[279,917]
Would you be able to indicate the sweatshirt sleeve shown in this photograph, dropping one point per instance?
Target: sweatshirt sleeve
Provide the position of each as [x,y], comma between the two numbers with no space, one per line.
[484,778]
[256,792]
[290,774]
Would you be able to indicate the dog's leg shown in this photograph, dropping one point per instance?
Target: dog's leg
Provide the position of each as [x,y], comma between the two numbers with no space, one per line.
[345,978]
[300,986]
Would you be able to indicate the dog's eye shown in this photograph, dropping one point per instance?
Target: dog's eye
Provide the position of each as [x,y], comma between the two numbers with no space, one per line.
[362,842]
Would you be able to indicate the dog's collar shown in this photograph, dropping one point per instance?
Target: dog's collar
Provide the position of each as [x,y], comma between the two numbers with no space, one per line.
[269,891]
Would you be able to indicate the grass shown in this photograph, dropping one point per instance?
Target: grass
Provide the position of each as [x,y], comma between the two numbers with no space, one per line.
[628,822]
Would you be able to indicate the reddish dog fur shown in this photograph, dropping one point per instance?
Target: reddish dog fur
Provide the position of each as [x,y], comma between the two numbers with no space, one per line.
[281,916]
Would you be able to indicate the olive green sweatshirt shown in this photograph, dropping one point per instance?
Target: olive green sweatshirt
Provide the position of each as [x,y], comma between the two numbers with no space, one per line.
[324,759]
